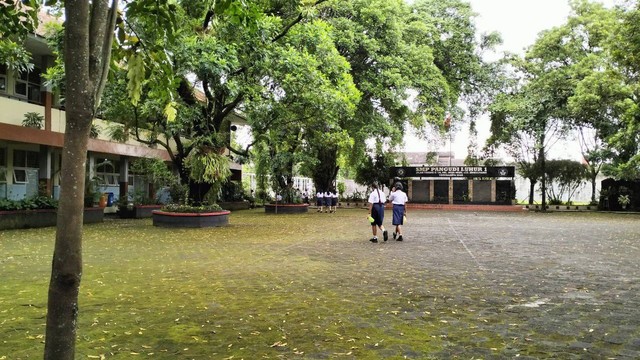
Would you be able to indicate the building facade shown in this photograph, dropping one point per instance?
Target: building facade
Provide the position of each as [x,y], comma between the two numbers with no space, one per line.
[30,154]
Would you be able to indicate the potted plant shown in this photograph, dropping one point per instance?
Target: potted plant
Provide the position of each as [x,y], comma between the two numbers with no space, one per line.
[624,200]
[204,166]
[176,215]
[33,120]
[91,193]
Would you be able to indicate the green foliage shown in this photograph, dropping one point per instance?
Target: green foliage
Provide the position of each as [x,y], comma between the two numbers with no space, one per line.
[207,166]
[564,177]
[33,120]
[357,196]
[95,131]
[624,199]
[377,169]
[18,19]
[232,191]
[135,75]
[154,170]
[177,208]
[342,188]
[31,203]
[179,193]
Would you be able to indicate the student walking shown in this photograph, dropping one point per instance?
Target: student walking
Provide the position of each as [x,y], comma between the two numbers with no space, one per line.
[399,199]
[377,199]
[334,200]
[327,200]
[320,200]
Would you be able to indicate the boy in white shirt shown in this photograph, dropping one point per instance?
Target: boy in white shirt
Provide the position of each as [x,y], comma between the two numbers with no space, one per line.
[377,199]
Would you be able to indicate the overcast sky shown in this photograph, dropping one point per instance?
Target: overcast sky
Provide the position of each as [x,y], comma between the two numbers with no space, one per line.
[519,22]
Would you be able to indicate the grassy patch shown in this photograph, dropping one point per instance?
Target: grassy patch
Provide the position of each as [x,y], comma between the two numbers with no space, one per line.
[267,286]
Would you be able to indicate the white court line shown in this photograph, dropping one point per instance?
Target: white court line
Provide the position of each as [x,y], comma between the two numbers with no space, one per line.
[465,246]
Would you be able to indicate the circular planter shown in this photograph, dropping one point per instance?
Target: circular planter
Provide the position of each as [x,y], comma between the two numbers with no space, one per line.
[286,208]
[190,220]
[235,205]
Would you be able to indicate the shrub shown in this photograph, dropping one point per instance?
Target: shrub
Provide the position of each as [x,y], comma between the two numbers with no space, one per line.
[191,209]
[232,191]
[32,203]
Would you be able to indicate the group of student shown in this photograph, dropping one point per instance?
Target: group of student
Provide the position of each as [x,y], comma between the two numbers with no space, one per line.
[377,200]
[327,201]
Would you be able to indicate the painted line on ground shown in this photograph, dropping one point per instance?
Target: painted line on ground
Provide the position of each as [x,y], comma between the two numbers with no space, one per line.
[461,240]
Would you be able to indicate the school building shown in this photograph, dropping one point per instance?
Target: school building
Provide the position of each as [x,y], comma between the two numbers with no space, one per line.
[32,130]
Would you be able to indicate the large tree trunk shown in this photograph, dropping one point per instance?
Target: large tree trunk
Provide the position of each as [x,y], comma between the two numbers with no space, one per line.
[197,192]
[543,171]
[593,189]
[532,190]
[324,175]
[88,35]
[66,269]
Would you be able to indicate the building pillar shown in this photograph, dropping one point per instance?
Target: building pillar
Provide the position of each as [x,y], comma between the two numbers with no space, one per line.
[91,170]
[450,191]
[432,191]
[124,177]
[493,190]
[45,185]
[470,190]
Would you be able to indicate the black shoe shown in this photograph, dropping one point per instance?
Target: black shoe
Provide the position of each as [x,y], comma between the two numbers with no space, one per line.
[394,236]
[385,235]
[373,240]
[399,238]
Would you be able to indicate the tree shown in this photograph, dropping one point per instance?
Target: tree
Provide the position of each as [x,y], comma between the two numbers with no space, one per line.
[89,29]
[564,177]
[311,92]
[224,62]
[411,63]
[86,58]
[524,120]
[606,98]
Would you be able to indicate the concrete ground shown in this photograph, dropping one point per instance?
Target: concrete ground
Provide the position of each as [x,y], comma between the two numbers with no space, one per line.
[555,285]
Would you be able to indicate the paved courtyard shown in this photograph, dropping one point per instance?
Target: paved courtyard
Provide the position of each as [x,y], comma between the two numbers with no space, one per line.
[557,285]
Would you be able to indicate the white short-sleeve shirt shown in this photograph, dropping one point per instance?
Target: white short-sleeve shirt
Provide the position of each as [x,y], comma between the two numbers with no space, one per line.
[377,196]
[398,197]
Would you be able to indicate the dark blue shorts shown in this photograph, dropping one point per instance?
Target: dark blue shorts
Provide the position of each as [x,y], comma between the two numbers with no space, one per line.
[377,213]
[319,201]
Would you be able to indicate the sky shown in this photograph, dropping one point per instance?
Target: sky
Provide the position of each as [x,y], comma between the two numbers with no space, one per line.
[519,22]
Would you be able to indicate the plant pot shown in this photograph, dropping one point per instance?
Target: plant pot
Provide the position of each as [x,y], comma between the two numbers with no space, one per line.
[26,219]
[286,208]
[137,211]
[190,220]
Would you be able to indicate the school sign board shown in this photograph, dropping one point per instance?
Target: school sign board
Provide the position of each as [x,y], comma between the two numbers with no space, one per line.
[455,171]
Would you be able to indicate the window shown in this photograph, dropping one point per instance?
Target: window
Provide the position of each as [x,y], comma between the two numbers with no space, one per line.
[22,161]
[3,78]
[108,172]
[28,85]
